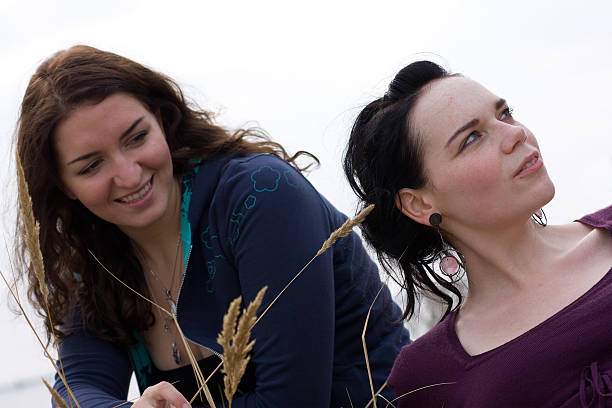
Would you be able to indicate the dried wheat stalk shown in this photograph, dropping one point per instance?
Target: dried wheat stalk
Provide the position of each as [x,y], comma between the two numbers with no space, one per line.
[225,336]
[337,234]
[345,228]
[390,403]
[340,232]
[200,380]
[59,401]
[197,372]
[365,347]
[379,395]
[46,352]
[224,339]
[235,342]
[349,398]
[31,228]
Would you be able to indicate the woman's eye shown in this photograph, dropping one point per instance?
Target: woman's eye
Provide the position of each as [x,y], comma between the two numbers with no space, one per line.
[506,114]
[471,138]
[139,137]
[90,167]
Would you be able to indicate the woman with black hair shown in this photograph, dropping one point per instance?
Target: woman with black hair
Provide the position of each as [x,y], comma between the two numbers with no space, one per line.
[459,185]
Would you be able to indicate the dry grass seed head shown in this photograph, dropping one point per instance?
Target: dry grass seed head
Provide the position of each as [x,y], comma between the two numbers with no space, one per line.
[59,401]
[31,229]
[229,323]
[235,342]
[345,228]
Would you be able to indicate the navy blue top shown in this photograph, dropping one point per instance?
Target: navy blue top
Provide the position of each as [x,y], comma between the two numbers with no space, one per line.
[256,221]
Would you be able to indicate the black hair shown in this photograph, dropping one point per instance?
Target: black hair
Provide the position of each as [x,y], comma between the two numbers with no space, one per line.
[384,154]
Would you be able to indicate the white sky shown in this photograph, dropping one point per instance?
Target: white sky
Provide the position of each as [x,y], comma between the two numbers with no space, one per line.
[303,71]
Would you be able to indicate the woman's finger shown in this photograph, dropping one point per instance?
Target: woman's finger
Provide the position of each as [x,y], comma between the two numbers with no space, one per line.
[163,394]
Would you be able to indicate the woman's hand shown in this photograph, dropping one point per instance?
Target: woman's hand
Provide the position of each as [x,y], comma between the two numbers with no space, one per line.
[161,395]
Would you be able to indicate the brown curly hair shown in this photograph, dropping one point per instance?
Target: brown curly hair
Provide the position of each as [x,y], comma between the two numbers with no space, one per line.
[66,80]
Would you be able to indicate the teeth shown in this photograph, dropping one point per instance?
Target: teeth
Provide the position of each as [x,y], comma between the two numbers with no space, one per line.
[530,163]
[138,195]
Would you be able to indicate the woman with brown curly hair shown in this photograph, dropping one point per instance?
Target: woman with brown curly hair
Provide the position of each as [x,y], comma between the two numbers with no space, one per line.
[126,175]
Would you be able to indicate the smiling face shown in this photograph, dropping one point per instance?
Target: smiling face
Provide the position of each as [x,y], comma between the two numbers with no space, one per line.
[483,168]
[113,158]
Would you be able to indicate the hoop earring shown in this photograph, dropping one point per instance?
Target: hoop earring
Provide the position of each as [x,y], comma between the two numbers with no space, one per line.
[450,264]
[540,217]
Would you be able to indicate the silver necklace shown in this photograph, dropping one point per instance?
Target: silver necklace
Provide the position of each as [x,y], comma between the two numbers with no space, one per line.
[176,354]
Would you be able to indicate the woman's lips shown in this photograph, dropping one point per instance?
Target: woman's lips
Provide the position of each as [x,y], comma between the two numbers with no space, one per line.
[138,197]
[532,163]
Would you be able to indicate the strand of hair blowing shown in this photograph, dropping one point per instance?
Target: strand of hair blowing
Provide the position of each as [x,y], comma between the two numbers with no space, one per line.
[384,155]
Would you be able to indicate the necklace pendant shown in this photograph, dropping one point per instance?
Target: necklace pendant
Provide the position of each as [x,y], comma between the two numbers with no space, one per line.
[166,321]
[176,354]
[172,305]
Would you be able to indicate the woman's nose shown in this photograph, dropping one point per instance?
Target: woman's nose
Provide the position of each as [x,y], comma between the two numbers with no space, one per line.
[127,172]
[513,136]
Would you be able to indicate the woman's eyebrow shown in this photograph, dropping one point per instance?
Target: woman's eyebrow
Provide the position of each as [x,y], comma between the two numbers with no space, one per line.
[500,102]
[83,157]
[468,125]
[124,134]
[129,130]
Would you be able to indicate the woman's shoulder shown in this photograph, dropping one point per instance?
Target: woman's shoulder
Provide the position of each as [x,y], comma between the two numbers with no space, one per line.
[259,172]
[582,227]
[228,179]
[428,360]
[599,219]
[241,185]
[432,344]
[254,161]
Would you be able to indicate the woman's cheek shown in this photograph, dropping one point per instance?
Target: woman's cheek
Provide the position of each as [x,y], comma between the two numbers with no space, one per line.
[474,175]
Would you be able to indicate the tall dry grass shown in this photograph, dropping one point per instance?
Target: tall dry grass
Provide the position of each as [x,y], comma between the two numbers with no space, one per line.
[235,337]
[345,229]
[197,372]
[340,232]
[59,401]
[235,342]
[31,230]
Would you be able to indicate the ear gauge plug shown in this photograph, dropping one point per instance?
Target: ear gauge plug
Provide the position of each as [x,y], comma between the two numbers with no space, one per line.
[449,264]
[435,220]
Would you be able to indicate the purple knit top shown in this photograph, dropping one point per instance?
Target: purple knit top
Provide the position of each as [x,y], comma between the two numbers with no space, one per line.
[565,361]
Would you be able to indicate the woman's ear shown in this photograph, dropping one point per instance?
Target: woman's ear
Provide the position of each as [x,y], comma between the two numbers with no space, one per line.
[158,117]
[66,191]
[160,122]
[414,204]
[69,194]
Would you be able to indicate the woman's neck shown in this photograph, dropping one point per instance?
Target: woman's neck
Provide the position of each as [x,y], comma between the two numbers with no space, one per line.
[514,259]
[157,242]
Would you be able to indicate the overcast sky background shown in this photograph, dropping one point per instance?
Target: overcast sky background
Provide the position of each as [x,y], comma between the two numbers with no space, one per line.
[303,71]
